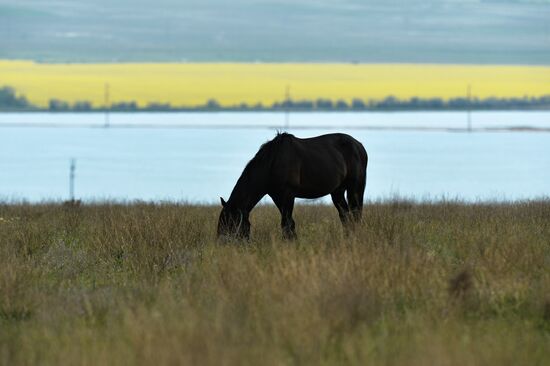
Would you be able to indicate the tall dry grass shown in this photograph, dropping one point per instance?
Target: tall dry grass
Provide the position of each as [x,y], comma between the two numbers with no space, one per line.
[442,283]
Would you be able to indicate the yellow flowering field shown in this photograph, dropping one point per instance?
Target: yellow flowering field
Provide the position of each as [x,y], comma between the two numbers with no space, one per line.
[191,84]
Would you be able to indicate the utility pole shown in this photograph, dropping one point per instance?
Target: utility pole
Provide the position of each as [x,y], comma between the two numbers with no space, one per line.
[287,103]
[469,93]
[71,179]
[107,105]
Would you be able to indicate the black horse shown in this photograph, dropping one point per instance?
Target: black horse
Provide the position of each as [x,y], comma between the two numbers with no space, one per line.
[288,167]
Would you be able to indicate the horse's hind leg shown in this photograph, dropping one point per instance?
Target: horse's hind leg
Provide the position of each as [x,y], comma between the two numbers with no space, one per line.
[285,204]
[355,197]
[341,205]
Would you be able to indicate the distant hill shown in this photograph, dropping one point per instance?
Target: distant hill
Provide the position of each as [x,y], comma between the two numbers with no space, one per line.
[443,31]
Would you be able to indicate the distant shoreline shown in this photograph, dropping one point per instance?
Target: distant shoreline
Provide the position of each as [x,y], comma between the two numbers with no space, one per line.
[518,128]
[13,101]
[230,110]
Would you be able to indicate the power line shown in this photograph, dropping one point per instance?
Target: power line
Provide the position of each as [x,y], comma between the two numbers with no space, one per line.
[107,105]
[71,179]
[469,96]
[287,109]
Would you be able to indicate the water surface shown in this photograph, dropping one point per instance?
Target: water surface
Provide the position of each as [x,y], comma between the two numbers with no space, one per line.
[198,164]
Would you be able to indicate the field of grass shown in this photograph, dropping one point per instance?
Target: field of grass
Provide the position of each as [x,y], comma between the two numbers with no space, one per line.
[416,284]
[192,84]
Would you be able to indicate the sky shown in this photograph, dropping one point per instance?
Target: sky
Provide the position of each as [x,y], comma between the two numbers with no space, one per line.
[428,31]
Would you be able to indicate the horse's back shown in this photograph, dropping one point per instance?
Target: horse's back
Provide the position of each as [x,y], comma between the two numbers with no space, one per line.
[335,152]
[348,146]
[316,166]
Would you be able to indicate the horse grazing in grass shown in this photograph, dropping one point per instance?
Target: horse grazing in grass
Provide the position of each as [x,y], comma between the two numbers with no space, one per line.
[288,167]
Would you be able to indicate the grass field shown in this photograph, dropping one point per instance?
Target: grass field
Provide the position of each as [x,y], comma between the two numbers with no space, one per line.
[191,84]
[416,284]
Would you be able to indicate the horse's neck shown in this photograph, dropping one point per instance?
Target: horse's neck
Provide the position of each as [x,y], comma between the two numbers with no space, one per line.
[249,190]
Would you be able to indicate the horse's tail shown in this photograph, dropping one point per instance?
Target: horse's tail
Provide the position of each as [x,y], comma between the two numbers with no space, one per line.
[356,191]
[364,160]
[363,153]
[360,152]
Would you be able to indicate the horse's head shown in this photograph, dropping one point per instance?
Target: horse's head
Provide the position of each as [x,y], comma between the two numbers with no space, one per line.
[233,223]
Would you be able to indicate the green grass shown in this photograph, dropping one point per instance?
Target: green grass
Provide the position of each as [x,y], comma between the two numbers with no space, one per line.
[416,284]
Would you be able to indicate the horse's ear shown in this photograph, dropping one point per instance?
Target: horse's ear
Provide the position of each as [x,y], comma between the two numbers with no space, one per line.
[223,201]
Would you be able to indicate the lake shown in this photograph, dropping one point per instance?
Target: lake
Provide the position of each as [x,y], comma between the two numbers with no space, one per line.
[197,157]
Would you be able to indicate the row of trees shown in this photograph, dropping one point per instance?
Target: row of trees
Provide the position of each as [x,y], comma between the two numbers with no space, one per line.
[416,103]
[10,101]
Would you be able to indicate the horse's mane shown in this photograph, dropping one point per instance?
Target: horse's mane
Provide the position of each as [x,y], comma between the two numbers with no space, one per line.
[258,168]
[267,152]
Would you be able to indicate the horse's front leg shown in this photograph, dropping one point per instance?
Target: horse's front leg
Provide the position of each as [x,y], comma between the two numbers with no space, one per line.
[285,204]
